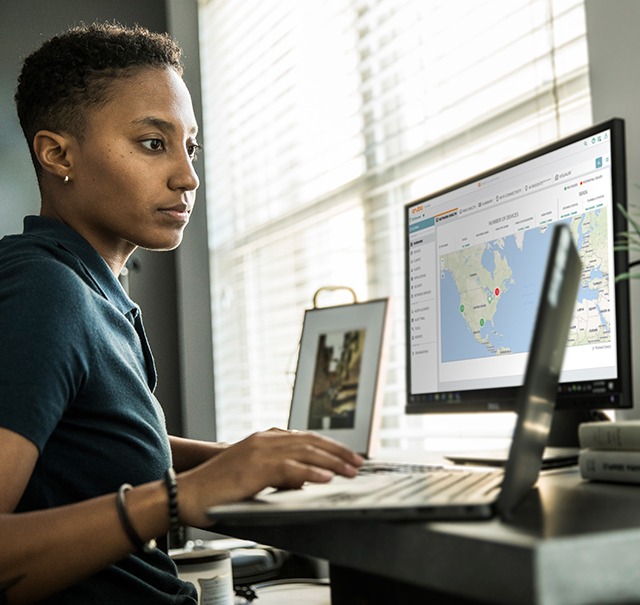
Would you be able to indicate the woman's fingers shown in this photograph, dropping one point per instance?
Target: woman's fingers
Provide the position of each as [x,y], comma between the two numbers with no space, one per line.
[273,458]
[315,451]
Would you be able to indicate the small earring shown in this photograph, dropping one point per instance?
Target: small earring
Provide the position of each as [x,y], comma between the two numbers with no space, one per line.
[66,179]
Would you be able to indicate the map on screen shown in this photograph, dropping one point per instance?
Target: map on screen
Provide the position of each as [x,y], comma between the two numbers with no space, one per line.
[489,292]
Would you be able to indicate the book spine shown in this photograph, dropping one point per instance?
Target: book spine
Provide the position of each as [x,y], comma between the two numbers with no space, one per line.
[614,465]
[609,436]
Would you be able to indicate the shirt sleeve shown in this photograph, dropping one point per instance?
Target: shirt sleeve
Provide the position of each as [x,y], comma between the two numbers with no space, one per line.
[41,354]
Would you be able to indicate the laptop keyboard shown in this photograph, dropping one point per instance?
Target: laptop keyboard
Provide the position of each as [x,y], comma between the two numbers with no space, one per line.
[398,467]
[435,484]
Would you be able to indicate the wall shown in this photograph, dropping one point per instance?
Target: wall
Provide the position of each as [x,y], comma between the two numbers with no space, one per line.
[170,322]
[194,294]
[614,46]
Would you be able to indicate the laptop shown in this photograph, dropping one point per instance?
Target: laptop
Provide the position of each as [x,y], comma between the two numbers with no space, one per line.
[450,492]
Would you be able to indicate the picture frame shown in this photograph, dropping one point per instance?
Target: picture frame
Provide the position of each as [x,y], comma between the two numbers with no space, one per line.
[340,373]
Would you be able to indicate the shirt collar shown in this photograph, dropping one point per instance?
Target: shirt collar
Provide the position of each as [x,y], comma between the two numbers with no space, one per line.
[94,266]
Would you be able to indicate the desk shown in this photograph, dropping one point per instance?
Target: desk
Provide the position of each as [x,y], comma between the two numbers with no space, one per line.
[570,542]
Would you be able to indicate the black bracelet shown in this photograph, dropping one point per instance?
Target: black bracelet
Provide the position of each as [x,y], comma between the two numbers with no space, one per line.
[174,520]
[132,534]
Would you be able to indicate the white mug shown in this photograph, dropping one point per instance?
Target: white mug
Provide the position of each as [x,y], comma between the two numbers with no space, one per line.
[211,572]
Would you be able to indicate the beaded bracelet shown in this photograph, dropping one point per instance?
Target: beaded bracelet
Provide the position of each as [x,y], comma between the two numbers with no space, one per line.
[132,534]
[174,520]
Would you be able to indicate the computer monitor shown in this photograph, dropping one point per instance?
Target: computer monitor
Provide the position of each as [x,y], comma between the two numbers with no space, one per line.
[475,255]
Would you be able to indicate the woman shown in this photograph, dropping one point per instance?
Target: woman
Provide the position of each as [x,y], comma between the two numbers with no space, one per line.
[112,134]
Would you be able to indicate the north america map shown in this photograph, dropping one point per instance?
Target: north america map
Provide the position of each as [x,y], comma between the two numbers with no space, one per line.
[489,292]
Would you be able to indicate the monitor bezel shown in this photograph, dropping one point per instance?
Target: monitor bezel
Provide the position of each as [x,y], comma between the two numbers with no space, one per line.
[574,395]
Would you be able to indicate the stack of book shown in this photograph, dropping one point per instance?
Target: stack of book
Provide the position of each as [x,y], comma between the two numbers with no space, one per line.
[610,451]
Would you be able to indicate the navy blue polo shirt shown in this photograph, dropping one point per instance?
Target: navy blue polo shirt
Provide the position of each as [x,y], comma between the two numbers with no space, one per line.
[77,379]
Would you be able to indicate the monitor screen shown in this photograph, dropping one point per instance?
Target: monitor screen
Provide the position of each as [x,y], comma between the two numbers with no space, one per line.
[475,255]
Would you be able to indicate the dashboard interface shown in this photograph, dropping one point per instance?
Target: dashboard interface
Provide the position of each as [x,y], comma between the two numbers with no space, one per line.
[475,258]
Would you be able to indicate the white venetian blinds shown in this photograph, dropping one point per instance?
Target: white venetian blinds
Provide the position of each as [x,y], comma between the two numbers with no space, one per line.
[322,119]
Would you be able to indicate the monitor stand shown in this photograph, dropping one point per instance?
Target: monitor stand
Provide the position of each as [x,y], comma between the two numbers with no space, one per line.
[562,447]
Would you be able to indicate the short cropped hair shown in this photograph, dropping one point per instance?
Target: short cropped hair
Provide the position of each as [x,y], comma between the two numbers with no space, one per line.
[71,74]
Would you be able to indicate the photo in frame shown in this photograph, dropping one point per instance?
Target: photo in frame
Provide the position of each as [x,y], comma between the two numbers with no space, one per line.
[340,371]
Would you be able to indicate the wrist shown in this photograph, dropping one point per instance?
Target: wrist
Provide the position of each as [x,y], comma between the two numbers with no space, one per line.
[126,523]
[146,510]
[150,510]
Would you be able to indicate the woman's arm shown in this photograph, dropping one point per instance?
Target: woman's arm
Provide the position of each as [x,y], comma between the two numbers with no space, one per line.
[46,551]
[188,453]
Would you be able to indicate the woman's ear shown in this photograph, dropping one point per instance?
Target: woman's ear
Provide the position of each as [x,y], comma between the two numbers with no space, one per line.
[52,151]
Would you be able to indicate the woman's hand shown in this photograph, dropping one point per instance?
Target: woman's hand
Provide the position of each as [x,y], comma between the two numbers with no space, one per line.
[273,458]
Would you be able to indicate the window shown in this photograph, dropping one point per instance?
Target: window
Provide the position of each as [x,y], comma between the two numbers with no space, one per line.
[323,118]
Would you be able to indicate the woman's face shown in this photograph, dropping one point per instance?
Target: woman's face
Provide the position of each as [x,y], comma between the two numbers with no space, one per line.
[132,178]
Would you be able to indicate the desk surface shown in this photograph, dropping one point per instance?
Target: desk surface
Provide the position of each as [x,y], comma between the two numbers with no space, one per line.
[569,542]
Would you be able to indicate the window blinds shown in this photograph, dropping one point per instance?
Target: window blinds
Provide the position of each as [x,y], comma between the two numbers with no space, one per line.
[322,119]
